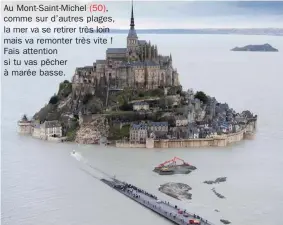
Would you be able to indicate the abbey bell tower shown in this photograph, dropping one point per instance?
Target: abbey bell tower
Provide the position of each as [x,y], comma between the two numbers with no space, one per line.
[132,39]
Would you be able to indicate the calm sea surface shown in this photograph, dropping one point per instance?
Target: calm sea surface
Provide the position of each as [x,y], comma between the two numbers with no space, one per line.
[42,184]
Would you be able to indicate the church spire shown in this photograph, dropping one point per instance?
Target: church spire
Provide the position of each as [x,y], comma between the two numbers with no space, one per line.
[132,17]
[132,31]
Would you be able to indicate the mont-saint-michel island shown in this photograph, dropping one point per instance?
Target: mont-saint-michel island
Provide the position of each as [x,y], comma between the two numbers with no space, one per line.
[133,98]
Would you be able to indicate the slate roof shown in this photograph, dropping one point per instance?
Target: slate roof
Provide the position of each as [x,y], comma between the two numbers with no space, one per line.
[139,126]
[180,118]
[142,42]
[138,63]
[100,61]
[151,63]
[132,33]
[50,124]
[140,103]
[157,124]
[84,68]
[145,63]
[116,50]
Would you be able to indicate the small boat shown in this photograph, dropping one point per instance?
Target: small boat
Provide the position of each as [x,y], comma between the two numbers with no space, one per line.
[166,171]
[172,167]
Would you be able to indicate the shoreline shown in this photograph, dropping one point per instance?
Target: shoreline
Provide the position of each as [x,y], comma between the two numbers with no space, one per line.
[247,133]
[218,141]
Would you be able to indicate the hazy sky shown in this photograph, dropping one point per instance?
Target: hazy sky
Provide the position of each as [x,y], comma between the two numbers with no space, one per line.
[185,14]
[199,14]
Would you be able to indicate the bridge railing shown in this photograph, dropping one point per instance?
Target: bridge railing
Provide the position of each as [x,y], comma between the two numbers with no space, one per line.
[171,217]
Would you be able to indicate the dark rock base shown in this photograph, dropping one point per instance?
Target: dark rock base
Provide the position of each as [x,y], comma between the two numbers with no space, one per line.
[225,221]
[216,181]
[176,190]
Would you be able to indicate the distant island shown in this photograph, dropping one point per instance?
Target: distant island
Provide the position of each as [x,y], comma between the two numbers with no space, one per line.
[256,48]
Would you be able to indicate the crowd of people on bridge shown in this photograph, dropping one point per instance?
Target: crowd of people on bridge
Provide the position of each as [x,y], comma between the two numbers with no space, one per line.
[134,191]
[134,188]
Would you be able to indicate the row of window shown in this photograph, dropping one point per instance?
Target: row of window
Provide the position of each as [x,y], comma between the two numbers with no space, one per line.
[132,41]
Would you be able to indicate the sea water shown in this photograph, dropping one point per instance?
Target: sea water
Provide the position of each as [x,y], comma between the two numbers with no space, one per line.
[42,184]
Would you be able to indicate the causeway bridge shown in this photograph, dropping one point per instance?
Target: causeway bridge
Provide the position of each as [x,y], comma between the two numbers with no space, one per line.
[171,212]
[164,209]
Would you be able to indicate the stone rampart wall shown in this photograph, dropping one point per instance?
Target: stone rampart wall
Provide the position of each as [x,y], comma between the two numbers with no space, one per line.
[187,143]
[126,144]
[218,141]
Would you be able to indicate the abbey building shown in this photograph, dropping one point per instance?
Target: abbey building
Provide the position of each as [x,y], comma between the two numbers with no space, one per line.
[139,65]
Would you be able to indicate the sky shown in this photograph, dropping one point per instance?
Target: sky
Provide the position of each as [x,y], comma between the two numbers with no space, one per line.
[180,14]
[198,14]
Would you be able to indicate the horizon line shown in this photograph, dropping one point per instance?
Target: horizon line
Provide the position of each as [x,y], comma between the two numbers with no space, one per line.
[235,31]
[205,28]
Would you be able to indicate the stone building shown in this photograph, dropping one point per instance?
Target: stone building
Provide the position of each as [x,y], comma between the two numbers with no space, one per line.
[139,65]
[158,127]
[36,131]
[191,114]
[137,106]
[46,130]
[180,121]
[138,133]
[24,126]
[193,132]
[51,129]
[179,132]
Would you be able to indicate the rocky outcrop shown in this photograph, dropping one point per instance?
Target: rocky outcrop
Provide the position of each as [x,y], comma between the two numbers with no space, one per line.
[256,48]
[225,221]
[216,181]
[92,131]
[176,190]
[217,194]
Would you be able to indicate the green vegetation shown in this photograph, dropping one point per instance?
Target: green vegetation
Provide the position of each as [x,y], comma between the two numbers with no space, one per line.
[201,96]
[141,95]
[166,103]
[65,88]
[117,134]
[126,107]
[124,97]
[174,90]
[119,113]
[54,100]
[71,135]
[127,95]
[72,130]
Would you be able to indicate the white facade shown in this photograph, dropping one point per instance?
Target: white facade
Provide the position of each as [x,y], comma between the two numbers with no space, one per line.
[181,121]
[51,131]
[138,133]
[196,135]
[24,127]
[36,132]
[140,106]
